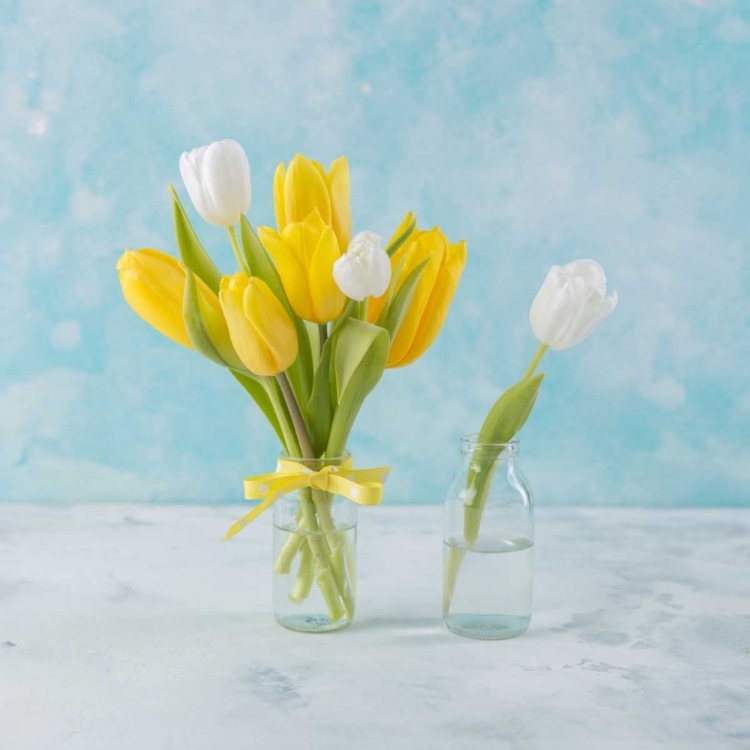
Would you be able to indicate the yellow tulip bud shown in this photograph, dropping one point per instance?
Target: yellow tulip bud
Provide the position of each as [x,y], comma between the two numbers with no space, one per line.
[304,254]
[433,293]
[262,332]
[305,186]
[153,284]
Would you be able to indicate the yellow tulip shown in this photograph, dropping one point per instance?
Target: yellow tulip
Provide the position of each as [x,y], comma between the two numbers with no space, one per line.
[153,284]
[433,293]
[262,332]
[305,186]
[304,253]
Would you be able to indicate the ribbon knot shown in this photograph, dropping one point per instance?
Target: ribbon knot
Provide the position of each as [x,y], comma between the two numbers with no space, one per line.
[362,486]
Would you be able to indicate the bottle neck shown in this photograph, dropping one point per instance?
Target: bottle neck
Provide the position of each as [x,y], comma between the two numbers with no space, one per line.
[316,464]
[488,453]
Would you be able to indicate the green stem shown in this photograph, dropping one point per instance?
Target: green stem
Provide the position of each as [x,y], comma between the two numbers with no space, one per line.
[535,361]
[451,566]
[237,250]
[327,554]
[297,419]
[283,563]
[322,335]
[360,309]
[290,439]
[305,576]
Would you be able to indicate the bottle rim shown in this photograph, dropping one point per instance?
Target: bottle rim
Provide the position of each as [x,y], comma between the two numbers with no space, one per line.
[326,461]
[470,444]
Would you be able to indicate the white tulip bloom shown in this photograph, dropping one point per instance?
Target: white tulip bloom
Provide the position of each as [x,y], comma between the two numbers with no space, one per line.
[217,178]
[365,269]
[571,304]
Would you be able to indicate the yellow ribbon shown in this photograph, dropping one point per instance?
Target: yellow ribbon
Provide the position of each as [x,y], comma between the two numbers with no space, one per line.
[362,486]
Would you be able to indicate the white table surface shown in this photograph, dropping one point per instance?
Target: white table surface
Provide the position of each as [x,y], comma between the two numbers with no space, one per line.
[132,628]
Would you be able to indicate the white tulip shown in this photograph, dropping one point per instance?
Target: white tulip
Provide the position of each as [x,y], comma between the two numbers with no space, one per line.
[365,269]
[217,178]
[571,304]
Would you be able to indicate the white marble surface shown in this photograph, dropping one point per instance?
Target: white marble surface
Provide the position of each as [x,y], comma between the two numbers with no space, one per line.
[131,627]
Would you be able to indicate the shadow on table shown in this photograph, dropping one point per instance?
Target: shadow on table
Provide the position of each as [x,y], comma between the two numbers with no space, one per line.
[405,628]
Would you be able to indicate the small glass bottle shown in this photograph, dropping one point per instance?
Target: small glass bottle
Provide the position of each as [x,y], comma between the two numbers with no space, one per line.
[488,544]
[315,557]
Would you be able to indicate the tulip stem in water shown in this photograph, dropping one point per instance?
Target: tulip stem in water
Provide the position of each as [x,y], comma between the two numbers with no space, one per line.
[327,553]
[237,250]
[535,361]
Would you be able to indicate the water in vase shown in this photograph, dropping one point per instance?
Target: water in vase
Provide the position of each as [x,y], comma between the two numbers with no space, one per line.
[491,598]
[303,599]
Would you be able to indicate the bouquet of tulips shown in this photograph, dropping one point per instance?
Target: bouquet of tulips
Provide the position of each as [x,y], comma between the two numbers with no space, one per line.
[308,322]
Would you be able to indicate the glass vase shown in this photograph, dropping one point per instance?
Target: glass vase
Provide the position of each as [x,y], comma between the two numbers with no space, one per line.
[488,544]
[315,557]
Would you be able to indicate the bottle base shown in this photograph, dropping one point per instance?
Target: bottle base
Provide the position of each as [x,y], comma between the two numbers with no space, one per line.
[311,623]
[487,627]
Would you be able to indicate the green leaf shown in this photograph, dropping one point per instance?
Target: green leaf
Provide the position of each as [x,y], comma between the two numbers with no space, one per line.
[392,286]
[258,393]
[504,421]
[358,358]
[510,412]
[396,244]
[320,407]
[191,251]
[393,314]
[260,265]
[194,322]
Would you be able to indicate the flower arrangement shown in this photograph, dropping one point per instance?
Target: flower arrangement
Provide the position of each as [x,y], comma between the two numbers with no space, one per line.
[307,324]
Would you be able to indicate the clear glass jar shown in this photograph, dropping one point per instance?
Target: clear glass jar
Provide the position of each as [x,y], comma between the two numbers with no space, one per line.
[315,557]
[488,544]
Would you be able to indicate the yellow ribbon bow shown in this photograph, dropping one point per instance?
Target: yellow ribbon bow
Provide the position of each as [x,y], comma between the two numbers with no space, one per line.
[362,486]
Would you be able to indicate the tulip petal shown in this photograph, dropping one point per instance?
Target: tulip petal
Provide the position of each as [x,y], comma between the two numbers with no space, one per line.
[278,196]
[153,284]
[590,271]
[291,270]
[364,270]
[564,312]
[338,187]
[436,311]
[403,233]
[250,348]
[302,237]
[273,326]
[570,304]
[398,259]
[430,245]
[305,190]
[226,180]
[319,167]
[191,173]
[328,300]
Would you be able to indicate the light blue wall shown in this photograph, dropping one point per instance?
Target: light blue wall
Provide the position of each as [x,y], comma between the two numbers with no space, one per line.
[541,132]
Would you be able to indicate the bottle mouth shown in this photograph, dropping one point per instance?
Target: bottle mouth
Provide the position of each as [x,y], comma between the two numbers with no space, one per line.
[470,444]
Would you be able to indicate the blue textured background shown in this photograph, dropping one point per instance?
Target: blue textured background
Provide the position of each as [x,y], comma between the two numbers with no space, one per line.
[541,132]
